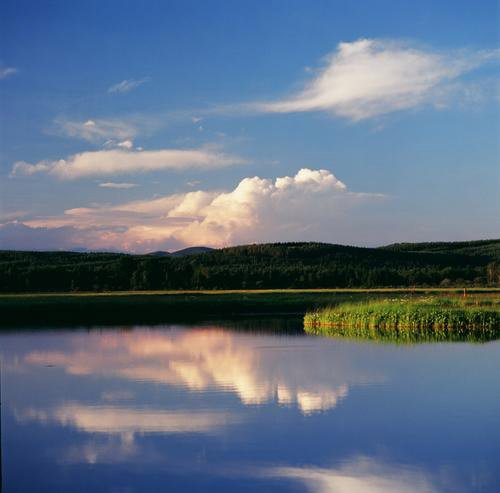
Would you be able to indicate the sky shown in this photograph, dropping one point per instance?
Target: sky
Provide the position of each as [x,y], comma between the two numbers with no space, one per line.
[156,125]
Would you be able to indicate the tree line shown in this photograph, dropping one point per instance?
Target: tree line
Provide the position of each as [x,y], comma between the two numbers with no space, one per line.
[267,266]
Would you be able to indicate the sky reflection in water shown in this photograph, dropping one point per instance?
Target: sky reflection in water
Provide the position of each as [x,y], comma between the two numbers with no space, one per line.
[212,408]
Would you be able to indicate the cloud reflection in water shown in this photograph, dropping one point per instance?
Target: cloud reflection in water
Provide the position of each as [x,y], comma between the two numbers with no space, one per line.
[360,475]
[213,359]
[111,420]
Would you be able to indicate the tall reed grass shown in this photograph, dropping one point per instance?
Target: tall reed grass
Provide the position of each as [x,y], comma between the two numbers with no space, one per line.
[431,318]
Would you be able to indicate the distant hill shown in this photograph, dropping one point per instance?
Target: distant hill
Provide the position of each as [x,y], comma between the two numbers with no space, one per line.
[191,251]
[181,253]
[274,265]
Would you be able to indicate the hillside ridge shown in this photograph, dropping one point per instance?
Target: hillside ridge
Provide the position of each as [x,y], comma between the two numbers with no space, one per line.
[257,266]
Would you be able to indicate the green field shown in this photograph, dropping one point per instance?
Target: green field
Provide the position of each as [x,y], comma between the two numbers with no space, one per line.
[129,307]
[435,317]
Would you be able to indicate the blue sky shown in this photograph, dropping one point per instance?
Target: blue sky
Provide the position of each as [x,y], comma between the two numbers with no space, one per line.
[143,125]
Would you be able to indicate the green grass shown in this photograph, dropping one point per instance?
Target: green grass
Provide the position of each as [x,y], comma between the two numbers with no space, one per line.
[411,319]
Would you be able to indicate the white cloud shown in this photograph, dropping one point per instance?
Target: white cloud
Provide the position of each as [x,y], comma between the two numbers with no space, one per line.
[27,169]
[7,72]
[119,161]
[313,204]
[126,144]
[367,77]
[262,208]
[127,85]
[192,204]
[97,130]
[118,186]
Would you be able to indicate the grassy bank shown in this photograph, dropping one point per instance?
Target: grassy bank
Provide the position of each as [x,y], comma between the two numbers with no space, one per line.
[165,306]
[404,318]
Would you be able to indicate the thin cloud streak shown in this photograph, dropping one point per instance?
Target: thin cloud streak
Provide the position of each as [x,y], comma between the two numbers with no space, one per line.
[7,72]
[117,186]
[127,85]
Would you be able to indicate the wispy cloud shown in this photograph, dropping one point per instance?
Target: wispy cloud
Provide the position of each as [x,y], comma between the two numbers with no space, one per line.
[7,72]
[127,85]
[117,186]
[310,203]
[367,78]
[123,161]
[96,130]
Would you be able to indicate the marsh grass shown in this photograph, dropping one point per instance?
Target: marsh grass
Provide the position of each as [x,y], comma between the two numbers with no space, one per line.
[409,319]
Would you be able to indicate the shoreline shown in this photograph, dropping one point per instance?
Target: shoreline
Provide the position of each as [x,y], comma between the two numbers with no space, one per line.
[164,306]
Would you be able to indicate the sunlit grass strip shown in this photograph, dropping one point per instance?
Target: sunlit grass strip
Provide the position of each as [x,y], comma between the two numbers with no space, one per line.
[386,291]
[424,319]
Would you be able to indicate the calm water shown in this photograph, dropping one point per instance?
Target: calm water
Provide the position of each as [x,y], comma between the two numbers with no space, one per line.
[200,408]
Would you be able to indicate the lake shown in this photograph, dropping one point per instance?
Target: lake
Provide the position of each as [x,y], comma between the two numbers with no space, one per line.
[247,405]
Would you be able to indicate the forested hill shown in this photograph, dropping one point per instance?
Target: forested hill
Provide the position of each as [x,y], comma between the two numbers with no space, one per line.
[278,265]
[488,248]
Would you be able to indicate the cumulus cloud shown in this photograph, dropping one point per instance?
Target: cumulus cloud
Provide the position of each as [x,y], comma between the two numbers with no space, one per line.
[125,161]
[7,72]
[260,208]
[311,204]
[369,77]
[117,186]
[127,85]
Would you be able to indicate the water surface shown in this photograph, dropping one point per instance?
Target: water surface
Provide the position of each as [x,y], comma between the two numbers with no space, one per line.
[245,406]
